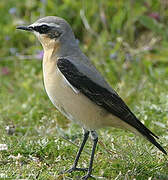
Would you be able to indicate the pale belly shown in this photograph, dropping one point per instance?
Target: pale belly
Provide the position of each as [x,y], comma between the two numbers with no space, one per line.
[70,102]
[74,105]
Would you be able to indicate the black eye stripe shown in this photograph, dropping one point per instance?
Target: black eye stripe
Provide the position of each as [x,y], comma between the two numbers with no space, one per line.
[51,31]
[42,29]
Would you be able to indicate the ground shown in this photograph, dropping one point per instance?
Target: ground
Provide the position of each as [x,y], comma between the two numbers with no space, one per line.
[130,50]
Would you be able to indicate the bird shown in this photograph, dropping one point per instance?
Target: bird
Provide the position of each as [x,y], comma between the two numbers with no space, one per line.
[78,90]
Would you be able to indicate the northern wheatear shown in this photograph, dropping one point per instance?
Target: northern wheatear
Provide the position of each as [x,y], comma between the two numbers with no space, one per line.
[77,89]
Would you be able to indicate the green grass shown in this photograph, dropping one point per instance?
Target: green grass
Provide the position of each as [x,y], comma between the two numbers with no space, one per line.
[37,147]
[43,142]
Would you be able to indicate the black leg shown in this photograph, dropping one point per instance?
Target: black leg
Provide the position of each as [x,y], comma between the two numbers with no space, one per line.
[95,140]
[74,168]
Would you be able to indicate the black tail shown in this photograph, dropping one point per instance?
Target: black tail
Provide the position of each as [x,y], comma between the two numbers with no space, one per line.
[150,136]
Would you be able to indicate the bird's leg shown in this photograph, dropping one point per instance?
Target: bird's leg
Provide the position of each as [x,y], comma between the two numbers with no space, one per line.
[95,140]
[74,168]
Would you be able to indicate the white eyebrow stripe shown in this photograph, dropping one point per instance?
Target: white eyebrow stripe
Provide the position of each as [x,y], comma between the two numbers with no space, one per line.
[43,23]
[55,25]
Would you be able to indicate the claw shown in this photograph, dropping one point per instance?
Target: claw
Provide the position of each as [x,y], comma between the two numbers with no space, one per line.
[87,176]
[74,169]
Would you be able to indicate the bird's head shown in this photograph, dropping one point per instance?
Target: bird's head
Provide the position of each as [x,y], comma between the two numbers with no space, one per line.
[51,31]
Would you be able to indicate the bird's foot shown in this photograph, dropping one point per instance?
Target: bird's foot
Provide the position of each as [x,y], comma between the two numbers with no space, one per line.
[87,176]
[76,169]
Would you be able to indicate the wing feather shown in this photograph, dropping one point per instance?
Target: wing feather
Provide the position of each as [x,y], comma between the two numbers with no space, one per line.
[100,95]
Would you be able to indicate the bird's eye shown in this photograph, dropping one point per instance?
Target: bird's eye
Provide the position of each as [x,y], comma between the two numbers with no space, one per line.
[43,29]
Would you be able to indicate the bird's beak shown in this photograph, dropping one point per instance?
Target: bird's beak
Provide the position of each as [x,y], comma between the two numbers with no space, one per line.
[25,28]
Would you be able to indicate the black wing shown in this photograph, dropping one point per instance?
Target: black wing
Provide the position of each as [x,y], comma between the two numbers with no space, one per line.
[103,97]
